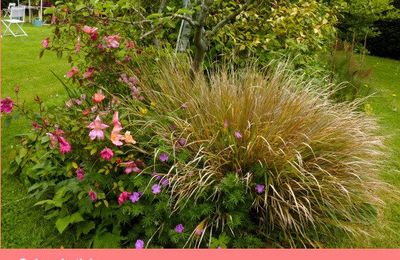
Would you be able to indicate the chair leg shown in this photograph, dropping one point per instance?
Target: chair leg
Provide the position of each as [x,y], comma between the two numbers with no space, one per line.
[18,32]
[8,29]
[23,33]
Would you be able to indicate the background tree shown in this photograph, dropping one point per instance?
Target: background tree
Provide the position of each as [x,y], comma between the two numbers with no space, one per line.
[233,29]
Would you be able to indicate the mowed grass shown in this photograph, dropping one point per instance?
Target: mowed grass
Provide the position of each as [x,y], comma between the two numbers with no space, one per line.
[25,226]
[385,104]
[22,224]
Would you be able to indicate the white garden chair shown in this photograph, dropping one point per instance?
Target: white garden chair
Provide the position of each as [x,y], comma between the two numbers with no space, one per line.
[6,11]
[17,17]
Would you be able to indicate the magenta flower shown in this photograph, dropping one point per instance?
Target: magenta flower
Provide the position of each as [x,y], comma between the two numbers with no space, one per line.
[156,189]
[260,188]
[92,195]
[97,127]
[88,73]
[179,228]
[112,41]
[106,154]
[139,244]
[164,157]
[6,105]
[72,72]
[65,147]
[123,197]
[135,197]
[45,43]
[238,135]
[80,174]
[131,167]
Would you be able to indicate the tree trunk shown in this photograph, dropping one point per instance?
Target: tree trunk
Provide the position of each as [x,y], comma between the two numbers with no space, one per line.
[184,32]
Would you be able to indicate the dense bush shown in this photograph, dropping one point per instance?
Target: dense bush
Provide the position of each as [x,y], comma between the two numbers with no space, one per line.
[148,153]
[242,159]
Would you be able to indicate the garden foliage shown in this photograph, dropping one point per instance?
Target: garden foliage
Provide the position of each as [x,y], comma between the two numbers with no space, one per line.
[148,153]
[230,30]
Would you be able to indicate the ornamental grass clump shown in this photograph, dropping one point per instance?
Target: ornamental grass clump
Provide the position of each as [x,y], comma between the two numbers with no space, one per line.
[275,156]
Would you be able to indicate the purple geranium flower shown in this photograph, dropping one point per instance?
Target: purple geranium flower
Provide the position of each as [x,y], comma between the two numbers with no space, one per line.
[163,157]
[155,175]
[179,228]
[135,197]
[156,189]
[260,188]
[139,244]
[165,182]
[238,135]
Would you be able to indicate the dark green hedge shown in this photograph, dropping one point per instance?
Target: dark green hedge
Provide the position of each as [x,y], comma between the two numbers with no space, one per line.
[387,44]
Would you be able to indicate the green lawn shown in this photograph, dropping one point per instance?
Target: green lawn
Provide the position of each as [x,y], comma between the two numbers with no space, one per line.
[24,226]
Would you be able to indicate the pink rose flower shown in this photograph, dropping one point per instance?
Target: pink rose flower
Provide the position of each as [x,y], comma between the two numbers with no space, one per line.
[131,167]
[88,73]
[106,154]
[92,31]
[72,72]
[124,196]
[6,105]
[98,97]
[45,43]
[92,195]
[80,174]
[97,127]
[112,41]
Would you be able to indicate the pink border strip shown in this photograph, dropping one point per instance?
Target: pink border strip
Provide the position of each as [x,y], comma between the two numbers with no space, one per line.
[203,254]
